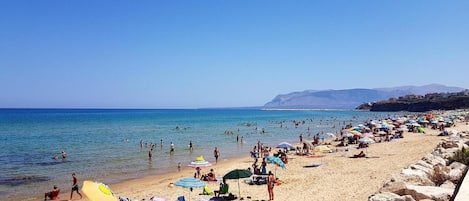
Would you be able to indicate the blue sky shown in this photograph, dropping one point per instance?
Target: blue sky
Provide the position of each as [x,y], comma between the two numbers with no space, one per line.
[191,54]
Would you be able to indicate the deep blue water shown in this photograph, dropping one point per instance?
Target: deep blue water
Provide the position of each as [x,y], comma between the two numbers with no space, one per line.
[104,144]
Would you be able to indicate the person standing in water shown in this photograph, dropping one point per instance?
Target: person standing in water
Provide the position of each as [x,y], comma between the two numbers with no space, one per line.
[216,153]
[171,150]
[75,186]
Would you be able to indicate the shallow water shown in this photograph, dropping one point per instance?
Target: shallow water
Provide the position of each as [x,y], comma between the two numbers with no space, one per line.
[104,145]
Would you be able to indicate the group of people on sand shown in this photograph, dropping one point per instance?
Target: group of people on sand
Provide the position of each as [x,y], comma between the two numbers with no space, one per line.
[54,193]
[209,176]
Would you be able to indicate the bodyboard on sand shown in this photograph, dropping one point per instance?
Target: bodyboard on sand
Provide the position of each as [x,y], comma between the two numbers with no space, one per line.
[313,165]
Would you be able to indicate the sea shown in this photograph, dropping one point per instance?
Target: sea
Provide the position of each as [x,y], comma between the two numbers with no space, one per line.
[112,145]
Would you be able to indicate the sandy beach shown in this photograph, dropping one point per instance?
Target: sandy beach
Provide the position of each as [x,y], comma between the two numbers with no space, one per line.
[338,178]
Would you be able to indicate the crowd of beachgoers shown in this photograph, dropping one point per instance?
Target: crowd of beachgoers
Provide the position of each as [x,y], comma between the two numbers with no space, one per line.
[319,165]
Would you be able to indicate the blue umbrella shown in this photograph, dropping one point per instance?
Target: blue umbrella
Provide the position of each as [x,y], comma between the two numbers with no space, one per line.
[285,145]
[190,183]
[275,160]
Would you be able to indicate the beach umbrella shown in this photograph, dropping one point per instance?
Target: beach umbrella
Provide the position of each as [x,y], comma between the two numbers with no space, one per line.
[96,191]
[367,135]
[322,148]
[366,140]
[347,135]
[200,162]
[285,145]
[190,183]
[276,161]
[325,136]
[237,174]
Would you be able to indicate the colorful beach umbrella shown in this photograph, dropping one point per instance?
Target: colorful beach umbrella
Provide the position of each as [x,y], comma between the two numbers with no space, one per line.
[96,191]
[200,162]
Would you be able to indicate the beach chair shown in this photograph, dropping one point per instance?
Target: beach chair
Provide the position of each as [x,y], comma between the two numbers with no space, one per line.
[224,190]
[207,191]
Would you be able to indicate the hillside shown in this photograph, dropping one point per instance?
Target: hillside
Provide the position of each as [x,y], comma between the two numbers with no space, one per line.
[416,103]
[349,98]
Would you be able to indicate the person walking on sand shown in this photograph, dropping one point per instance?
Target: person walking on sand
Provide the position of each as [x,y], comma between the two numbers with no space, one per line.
[216,153]
[75,186]
[270,185]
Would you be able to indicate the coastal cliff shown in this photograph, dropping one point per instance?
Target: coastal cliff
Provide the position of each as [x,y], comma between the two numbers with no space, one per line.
[416,103]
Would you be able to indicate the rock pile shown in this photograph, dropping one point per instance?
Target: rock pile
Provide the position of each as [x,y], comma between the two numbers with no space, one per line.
[430,178]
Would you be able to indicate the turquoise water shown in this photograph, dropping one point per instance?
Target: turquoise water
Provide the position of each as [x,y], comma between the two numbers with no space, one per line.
[104,145]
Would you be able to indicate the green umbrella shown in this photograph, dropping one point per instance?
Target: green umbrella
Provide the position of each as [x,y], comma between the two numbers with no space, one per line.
[237,174]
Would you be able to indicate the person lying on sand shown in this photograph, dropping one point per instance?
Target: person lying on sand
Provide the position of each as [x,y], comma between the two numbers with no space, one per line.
[360,155]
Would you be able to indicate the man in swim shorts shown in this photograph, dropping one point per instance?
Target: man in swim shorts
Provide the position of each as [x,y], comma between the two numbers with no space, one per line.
[75,186]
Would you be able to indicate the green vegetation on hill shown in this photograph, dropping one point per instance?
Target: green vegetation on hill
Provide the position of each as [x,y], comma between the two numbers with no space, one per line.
[417,103]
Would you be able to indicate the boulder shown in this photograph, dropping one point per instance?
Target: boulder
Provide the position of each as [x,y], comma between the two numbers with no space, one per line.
[448,184]
[388,196]
[457,165]
[417,177]
[455,175]
[434,160]
[429,192]
[425,168]
[397,187]
[424,164]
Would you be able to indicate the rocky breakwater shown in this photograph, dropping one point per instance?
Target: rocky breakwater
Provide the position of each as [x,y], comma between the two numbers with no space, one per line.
[434,177]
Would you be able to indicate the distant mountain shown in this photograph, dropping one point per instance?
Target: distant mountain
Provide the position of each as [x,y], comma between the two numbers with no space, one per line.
[349,98]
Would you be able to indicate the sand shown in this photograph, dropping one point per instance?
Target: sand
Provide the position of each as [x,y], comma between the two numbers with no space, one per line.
[338,178]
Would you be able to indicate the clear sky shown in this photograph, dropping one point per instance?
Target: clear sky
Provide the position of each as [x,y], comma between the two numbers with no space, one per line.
[222,53]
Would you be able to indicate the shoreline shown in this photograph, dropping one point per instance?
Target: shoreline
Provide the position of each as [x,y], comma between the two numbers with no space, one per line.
[338,178]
